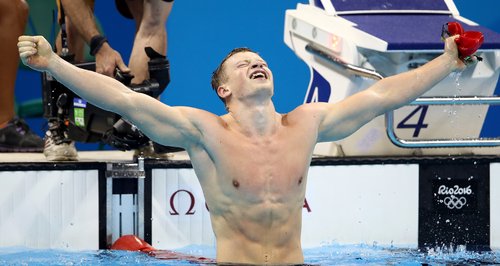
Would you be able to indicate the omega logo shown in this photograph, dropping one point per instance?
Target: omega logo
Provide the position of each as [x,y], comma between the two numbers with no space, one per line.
[174,211]
[306,206]
[192,199]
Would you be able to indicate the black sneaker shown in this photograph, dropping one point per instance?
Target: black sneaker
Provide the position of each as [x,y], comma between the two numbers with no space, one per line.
[165,149]
[16,136]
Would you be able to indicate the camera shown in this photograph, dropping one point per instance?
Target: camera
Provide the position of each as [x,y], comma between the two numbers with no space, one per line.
[84,122]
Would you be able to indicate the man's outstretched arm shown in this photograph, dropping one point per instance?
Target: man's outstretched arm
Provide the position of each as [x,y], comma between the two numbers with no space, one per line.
[164,124]
[343,118]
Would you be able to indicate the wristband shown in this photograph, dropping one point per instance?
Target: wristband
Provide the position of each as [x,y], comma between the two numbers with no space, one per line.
[96,43]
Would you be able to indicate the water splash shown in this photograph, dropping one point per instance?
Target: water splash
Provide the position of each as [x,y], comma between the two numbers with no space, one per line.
[453,112]
[458,75]
[366,254]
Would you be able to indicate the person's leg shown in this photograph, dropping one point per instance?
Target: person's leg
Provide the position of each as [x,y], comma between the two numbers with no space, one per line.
[13,17]
[76,43]
[58,147]
[15,134]
[151,30]
[151,18]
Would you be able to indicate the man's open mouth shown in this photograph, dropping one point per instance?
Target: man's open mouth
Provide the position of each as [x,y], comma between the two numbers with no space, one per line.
[259,74]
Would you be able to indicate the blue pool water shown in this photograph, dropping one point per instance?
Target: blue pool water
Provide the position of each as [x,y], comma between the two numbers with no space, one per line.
[326,255]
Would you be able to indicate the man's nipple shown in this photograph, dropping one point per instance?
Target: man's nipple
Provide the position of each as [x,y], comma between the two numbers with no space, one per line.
[236,184]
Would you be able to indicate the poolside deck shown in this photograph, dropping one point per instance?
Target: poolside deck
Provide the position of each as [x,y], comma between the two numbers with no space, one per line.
[84,156]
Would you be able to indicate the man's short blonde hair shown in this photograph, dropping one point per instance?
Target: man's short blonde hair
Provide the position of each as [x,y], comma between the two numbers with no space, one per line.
[218,76]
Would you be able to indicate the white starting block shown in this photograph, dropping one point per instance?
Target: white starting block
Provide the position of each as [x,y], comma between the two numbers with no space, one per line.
[349,45]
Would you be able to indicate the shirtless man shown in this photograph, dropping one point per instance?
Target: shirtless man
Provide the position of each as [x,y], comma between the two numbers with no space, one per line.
[252,162]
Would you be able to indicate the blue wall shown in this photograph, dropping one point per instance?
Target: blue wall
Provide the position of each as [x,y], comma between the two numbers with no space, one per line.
[201,33]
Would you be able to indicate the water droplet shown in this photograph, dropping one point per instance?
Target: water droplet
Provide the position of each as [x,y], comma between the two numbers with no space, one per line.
[457,79]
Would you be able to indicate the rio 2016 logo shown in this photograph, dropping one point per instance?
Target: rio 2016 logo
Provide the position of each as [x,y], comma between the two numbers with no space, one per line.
[455,196]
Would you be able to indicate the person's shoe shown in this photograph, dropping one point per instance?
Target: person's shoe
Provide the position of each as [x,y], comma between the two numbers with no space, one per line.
[16,136]
[57,145]
[148,152]
[158,148]
[156,151]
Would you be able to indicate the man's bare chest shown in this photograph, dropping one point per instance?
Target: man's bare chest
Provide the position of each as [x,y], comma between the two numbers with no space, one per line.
[260,166]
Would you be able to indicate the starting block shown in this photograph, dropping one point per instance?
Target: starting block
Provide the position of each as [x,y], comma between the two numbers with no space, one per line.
[349,45]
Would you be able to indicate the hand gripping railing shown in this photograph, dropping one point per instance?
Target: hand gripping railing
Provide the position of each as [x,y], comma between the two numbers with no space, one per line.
[389,116]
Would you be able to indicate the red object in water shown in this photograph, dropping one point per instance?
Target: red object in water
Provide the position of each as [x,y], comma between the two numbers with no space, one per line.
[467,42]
[132,243]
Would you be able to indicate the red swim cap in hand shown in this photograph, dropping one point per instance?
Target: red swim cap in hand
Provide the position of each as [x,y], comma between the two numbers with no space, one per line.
[451,28]
[467,42]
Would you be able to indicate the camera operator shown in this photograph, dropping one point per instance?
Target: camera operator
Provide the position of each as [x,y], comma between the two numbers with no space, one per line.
[150,17]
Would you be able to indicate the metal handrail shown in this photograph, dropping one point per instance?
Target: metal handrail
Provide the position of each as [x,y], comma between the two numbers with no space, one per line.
[443,143]
[356,70]
[389,116]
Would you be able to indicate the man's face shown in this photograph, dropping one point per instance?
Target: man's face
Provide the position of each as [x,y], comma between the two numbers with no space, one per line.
[248,74]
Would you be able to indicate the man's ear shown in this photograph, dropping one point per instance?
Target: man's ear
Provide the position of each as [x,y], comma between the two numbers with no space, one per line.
[223,92]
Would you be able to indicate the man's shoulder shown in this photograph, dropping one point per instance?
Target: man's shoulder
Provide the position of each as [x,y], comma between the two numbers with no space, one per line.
[308,109]
[308,112]
[195,112]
